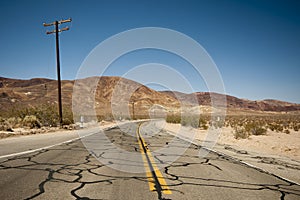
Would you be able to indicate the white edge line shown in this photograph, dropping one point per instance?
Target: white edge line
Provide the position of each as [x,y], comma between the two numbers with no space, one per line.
[65,142]
[235,159]
[50,146]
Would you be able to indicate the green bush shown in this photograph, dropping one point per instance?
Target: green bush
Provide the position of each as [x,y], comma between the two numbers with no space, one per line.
[31,121]
[175,119]
[67,117]
[46,115]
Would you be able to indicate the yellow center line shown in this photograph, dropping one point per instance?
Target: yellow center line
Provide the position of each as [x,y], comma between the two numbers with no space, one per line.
[150,163]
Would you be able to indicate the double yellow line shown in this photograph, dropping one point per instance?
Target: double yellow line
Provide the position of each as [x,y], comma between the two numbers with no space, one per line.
[155,178]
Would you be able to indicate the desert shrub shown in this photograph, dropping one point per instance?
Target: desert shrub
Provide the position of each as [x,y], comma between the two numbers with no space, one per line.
[259,131]
[5,125]
[203,123]
[31,121]
[184,122]
[15,122]
[67,121]
[255,128]
[192,121]
[286,131]
[296,127]
[204,126]
[275,127]
[175,119]
[240,133]
[46,114]
[67,117]
[217,124]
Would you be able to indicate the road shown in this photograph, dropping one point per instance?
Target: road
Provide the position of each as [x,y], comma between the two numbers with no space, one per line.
[117,167]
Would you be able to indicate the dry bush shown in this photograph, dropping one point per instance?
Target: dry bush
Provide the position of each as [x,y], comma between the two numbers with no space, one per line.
[31,121]
[203,124]
[240,133]
[5,125]
[255,128]
[175,119]
[296,127]
[192,121]
[15,122]
[67,117]
[275,127]
[46,115]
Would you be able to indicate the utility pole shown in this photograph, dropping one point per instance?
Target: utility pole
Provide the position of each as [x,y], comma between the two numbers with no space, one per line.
[56,31]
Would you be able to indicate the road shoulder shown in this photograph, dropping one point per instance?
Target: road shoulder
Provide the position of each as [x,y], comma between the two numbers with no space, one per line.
[278,165]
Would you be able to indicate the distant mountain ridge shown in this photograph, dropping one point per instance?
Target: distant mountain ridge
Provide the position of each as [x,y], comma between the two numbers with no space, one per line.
[204,98]
[24,93]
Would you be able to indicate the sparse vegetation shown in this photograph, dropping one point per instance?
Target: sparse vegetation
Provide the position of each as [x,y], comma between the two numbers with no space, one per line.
[255,128]
[31,121]
[193,121]
[34,117]
[244,125]
[174,119]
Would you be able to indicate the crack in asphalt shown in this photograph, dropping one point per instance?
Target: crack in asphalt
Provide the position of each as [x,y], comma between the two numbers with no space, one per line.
[81,167]
[187,180]
[274,161]
[184,180]
[86,171]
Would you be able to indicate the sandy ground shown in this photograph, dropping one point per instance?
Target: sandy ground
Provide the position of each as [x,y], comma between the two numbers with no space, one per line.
[277,153]
[272,143]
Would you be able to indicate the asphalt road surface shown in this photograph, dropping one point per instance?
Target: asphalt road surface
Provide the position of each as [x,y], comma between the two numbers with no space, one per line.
[135,161]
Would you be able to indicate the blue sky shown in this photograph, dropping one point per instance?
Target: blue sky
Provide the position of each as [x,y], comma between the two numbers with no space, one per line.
[255,44]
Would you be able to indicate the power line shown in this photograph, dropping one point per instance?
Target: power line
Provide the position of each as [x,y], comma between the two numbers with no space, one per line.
[56,31]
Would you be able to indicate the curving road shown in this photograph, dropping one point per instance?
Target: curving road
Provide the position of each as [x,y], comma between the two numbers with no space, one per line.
[117,167]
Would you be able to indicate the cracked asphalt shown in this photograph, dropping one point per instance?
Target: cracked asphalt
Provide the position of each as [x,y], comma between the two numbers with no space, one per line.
[70,171]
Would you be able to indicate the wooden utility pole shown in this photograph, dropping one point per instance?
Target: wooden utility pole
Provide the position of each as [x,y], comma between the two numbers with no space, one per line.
[56,31]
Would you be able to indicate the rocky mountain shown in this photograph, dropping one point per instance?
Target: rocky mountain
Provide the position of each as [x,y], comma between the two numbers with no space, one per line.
[204,98]
[15,93]
[111,92]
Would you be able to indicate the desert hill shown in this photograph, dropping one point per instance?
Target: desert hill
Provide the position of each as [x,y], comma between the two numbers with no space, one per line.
[204,98]
[16,93]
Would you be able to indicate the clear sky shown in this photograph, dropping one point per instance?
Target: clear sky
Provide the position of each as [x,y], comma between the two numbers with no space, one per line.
[254,43]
